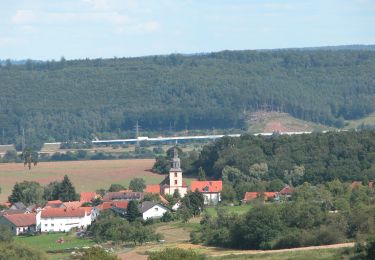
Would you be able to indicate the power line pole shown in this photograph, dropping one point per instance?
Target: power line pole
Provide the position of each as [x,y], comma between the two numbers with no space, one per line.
[137,133]
[23,139]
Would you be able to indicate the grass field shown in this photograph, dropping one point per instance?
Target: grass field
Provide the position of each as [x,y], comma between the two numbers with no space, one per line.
[326,254]
[85,175]
[368,120]
[263,121]
[239,209]
[46,242]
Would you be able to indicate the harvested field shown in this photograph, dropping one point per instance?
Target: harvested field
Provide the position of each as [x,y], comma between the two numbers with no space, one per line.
[85,175]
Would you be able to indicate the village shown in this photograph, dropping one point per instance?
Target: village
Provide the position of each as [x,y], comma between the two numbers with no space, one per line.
[59,216]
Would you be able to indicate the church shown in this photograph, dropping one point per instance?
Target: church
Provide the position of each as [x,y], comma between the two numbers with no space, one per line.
[173,182]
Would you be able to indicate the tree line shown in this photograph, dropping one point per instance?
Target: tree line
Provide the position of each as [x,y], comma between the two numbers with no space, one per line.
[80,99]
[316,215]
[315,158]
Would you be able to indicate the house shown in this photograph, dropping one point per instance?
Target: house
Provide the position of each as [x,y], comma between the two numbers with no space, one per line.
[356,184]
[250,196]
[285,193]
[152,188]
[21,223]
[174,182]
[118,206]
[64,219]
[110,196]
[152,210]
[88,196]
[211,190]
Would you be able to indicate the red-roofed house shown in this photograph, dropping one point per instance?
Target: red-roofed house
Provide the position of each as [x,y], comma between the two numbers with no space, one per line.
[64,219]
[285,193]
[21,223]
[88,196]
[249,196]
[356,184]
[211,190]
[152,188]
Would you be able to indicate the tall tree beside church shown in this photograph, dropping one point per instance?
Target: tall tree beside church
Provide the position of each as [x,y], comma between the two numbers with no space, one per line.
[67,190]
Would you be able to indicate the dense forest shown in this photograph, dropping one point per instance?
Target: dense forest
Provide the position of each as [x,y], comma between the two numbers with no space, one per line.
[77,99]
[314,158]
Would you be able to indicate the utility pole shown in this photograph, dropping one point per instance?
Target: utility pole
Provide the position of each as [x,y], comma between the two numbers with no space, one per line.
[137,133]
[23,139]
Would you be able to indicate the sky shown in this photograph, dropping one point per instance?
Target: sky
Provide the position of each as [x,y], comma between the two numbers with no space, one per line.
[75,29]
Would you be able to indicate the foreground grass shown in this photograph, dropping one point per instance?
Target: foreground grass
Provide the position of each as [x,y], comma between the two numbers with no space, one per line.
[239,209]
[47,242]
[333,253]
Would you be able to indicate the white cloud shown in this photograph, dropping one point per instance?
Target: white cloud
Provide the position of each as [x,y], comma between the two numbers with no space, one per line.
[24,17]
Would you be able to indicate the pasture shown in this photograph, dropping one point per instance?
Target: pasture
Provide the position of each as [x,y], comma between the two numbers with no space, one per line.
[85,175]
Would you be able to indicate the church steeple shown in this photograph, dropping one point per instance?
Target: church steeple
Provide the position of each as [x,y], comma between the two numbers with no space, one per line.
[176,163]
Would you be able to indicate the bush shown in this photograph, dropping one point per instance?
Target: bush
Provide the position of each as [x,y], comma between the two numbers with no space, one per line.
[175,253]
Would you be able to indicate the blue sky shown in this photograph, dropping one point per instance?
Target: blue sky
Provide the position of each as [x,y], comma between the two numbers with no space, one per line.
[49,29]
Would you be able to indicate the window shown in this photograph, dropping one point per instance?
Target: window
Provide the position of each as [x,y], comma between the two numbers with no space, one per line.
[175,174]
[175,182]
[45,225]
[156,209]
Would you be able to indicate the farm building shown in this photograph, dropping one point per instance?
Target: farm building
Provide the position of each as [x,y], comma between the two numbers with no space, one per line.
[64,219]
[21,223]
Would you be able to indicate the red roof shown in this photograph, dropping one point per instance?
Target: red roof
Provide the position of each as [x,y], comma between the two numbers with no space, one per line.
[88,196]
[152,188]
[356,184]
[22,220]
[249,196]
[207,186]
[63,212]
[122,204]
[270,194]
[73,204]
[286,191]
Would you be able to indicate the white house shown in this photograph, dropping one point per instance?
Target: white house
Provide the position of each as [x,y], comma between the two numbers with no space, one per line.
[64,219]
[150,209]
[21,223]
[211,190]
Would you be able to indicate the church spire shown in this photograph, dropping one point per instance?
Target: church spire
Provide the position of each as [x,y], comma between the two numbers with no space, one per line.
[176,163]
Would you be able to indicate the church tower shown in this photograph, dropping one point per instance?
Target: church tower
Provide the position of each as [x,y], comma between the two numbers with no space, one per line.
[173,182]
[175,173]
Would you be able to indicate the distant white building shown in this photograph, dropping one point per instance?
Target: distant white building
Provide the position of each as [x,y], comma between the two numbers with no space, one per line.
[150,209]
[64,219]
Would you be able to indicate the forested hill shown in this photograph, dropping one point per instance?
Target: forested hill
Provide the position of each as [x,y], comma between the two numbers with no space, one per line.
[70,99]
